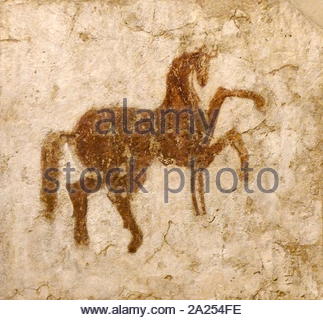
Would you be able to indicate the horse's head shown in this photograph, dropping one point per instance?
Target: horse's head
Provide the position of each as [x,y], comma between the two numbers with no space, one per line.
[201,64]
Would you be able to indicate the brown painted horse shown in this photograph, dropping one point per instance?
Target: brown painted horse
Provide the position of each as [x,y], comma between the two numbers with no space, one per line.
[107,151]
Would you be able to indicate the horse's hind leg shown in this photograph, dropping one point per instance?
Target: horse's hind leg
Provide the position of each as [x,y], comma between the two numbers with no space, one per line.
[122,203]
[78,197]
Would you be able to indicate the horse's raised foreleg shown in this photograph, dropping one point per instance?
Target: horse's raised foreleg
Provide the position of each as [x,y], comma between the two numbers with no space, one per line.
[78,196]
[246,94]
[205,152]
[222,93]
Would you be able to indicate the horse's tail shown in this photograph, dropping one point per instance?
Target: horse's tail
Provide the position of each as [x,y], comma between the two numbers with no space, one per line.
[51,154]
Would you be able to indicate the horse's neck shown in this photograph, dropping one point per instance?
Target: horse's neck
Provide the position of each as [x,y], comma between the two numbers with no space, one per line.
[180,92]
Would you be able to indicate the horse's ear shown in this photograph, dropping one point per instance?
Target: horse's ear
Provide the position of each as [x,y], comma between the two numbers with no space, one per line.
[203,49]
[214,51]
[210,50]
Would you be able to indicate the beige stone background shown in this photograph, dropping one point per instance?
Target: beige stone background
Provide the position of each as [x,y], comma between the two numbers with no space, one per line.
[59,58]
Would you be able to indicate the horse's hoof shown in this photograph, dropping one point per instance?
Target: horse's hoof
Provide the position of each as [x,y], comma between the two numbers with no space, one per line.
[132,249]
[135,243]
[260,103]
